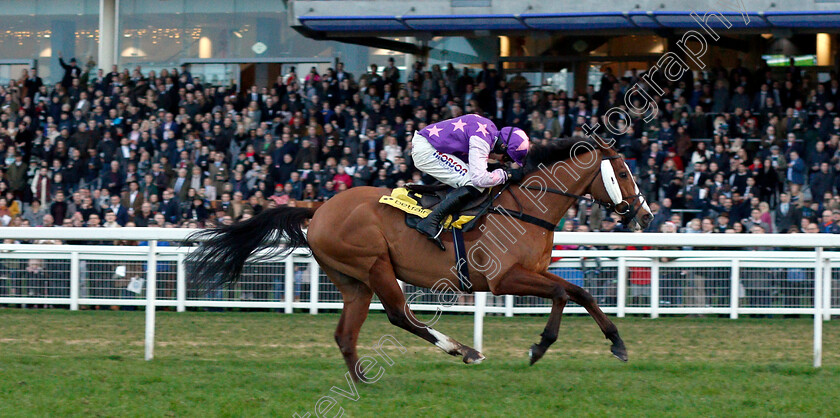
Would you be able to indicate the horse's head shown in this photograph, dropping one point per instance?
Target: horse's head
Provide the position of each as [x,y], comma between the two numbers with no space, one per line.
[617,186]
[612,184]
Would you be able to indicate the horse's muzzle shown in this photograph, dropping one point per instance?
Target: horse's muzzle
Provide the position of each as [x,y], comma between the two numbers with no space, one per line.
[644,220]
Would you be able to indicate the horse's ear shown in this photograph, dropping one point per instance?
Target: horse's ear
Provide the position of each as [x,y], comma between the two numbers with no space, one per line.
[608,150]
[605,147]
[610,182]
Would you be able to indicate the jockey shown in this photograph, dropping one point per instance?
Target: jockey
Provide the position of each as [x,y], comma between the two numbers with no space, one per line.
[441,150]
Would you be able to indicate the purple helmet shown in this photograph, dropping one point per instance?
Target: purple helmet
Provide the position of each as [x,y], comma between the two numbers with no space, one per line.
[516,143]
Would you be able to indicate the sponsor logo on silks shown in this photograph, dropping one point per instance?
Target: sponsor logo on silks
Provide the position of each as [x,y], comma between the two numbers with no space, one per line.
[449,162]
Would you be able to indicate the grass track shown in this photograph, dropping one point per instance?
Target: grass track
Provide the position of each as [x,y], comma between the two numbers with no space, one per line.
[60,363]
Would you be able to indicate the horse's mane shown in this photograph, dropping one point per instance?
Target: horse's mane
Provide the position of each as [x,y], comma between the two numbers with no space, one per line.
[557,150]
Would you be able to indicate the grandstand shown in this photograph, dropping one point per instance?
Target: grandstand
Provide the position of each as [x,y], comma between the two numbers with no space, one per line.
[214,115]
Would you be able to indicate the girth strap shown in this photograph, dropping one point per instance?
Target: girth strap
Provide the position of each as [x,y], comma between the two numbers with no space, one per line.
[461,261]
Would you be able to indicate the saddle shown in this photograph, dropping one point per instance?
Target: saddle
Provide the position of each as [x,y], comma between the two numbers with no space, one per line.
[418,201]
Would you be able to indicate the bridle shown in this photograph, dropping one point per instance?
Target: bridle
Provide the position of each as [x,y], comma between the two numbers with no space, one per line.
[629,212]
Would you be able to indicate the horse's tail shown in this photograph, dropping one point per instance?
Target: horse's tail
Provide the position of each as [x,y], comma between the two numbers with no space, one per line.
[221,256]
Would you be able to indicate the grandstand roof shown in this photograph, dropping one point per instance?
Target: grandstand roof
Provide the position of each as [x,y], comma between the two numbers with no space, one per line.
[575,21]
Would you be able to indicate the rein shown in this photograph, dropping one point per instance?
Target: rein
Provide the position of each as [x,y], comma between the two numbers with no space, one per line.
[524,217]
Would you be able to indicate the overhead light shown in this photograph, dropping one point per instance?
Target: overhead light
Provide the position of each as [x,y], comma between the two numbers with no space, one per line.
[133,52]
[127,35]
[823,49]
[205,48]
[766,35]
[238,35]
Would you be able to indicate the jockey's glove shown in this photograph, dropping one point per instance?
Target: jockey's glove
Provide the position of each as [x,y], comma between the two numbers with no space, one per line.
[515,175]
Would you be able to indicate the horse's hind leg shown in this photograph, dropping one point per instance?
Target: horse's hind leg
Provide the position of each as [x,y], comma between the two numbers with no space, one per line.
[580,296]
[522,282]
[383,281]
[357,296]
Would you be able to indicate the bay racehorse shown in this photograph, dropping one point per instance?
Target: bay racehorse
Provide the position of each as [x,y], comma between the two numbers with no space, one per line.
[364,246]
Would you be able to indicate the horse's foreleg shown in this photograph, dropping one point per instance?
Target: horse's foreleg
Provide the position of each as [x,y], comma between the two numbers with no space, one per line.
[521,282]
[580,296]
[384,283]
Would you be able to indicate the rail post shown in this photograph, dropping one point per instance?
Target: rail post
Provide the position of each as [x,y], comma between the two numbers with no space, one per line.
[621,301]
[654,288]
[478,325]
[74,281]
[289,284]
[509,306]
[180,284]
[826,305]
[313,287]
[818,321]
[151,295]
[734,288]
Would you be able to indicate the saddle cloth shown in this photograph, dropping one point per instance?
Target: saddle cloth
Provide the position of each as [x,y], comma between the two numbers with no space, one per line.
[419,201]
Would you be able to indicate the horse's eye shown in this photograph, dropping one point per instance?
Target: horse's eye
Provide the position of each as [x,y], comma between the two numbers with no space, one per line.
[623,174]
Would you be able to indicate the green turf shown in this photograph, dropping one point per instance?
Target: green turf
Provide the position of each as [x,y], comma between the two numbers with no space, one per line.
[90,363]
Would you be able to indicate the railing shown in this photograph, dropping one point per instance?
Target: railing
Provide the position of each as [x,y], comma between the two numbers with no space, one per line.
[623,282]
[651,282]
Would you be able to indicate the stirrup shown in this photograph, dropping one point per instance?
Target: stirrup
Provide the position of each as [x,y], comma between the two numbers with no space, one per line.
[436,238]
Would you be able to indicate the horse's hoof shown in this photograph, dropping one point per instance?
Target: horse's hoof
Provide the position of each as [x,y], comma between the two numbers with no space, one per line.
[473,357]
[358,377]
[619,352]
[535,353]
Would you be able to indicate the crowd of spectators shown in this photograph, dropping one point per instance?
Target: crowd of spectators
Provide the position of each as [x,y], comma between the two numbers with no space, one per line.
[728,149]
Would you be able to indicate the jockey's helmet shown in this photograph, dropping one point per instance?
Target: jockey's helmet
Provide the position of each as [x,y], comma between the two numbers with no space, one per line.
[514,142]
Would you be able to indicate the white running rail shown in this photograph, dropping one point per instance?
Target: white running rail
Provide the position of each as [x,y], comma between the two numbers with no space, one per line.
[741,276]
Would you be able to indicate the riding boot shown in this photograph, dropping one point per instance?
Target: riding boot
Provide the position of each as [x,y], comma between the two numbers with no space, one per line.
[455,200]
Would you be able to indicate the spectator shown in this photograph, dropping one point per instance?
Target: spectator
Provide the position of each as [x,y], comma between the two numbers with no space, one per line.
[822,181]
[796,169]
[34,213]
[119,211]
[16,175]
[111,220]
[58,208]
[71,71]
[828,223]
[191,150]
[5,212]
[169,207]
